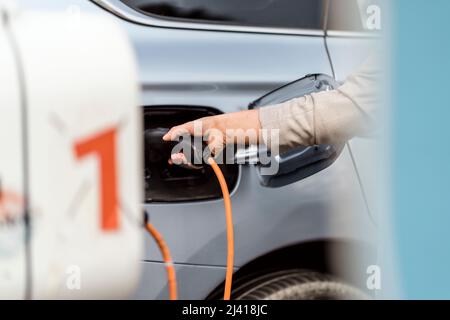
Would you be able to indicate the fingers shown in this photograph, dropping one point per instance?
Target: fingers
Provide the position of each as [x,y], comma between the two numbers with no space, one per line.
[204,127]
[216,141]
[178,159]
[177,131]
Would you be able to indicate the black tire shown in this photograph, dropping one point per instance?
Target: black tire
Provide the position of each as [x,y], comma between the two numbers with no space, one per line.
[297,285]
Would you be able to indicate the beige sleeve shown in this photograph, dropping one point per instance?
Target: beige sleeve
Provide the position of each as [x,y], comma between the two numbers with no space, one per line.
[327,117]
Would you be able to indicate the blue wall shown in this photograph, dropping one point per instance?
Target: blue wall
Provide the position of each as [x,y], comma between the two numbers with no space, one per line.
[421,145]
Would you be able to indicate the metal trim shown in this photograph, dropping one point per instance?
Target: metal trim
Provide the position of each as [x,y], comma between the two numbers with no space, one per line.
[125,12]
[353,34]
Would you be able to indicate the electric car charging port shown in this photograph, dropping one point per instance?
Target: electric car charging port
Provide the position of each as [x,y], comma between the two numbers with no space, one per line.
[165,182]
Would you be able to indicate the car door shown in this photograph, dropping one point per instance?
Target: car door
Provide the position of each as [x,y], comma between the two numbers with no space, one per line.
[354,32]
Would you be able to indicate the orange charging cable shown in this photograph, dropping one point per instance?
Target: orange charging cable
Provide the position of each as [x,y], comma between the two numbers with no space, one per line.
[229,223]
[171,278]
[170,269]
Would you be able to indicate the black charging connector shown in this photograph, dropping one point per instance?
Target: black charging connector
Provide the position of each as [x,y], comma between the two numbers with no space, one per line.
[146,217]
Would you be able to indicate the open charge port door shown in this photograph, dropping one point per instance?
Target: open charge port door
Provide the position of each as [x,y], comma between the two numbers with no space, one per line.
[165,182]
[302,161]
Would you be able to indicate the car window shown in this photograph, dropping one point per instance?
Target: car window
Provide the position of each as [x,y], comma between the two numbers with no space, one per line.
[304,14]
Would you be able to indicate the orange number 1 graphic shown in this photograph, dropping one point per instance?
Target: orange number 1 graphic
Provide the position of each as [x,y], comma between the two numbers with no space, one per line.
[103,145]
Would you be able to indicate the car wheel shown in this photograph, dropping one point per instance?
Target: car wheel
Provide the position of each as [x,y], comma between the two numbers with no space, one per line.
[297,285]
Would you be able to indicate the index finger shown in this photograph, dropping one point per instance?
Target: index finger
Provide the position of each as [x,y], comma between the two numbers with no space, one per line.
[177,131]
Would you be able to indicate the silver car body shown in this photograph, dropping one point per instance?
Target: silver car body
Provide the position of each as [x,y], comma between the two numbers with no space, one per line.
[226,68]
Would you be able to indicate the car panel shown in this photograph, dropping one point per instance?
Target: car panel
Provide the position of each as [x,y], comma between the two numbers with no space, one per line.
[325,205]
[194,281]
[365,150]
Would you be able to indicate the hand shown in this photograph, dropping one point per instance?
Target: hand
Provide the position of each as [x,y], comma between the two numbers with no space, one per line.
[239,127]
